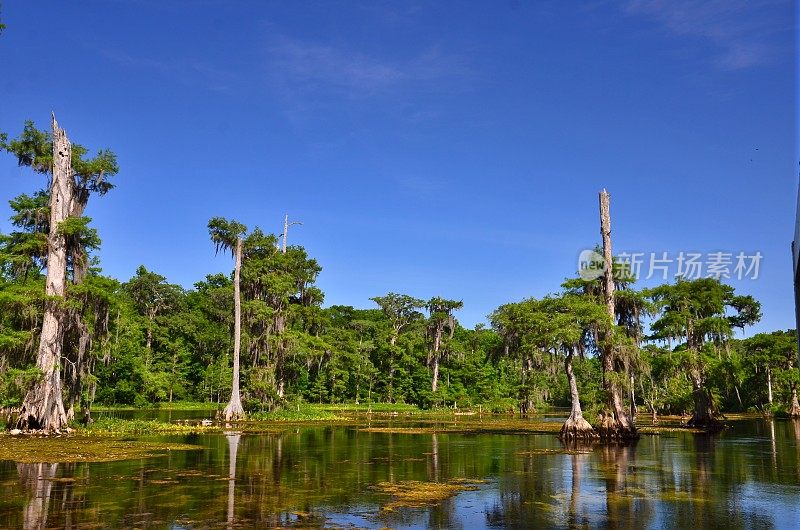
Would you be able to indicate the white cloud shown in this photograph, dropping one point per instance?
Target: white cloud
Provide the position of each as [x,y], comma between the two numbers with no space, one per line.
[741,29]
[310,66]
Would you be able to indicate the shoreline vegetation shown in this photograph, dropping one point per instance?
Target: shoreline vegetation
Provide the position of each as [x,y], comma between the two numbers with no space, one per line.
[409,419]
[110,438]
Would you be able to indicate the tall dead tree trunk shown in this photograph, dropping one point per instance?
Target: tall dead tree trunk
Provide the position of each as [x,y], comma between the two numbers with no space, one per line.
[285,232]
[615,422]
[234,409]
[769,385]
[286,225]
[43,407]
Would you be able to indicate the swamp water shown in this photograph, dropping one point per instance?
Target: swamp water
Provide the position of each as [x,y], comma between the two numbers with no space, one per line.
[344,476]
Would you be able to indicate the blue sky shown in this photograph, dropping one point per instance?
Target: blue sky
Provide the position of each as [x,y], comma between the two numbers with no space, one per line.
[450,149]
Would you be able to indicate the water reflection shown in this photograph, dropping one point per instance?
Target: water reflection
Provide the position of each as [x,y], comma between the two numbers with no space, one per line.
[747,476]
[37,480]
[233,448]
[577,515]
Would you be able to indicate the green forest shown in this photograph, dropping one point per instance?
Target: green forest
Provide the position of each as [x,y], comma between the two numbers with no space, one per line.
[259,337]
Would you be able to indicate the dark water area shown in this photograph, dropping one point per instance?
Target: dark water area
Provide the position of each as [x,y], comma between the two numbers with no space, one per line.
[745,477]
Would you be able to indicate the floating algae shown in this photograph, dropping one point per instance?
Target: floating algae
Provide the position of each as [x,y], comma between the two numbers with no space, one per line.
[539,452]
[82,449]
[682,496]
[418,494]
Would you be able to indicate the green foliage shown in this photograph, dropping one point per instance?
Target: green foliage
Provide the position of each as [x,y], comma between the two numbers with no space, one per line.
[14,383]
[224,233]
[34,148]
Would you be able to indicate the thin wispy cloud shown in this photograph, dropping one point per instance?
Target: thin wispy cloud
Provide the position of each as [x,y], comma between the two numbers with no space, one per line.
[193,73]
[740,29]
[312,66]
[315,65]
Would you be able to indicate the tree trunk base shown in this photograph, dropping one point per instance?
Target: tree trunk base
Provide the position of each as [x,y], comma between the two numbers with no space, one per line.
[577,428]
[527,407]
[614,429]
[707,423]
[794,408]
[43,407]
[233,411]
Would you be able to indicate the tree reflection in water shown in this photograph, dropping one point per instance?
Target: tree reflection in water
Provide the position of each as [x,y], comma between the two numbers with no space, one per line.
[37,480]
[744,477]
[580,449]
[233,449]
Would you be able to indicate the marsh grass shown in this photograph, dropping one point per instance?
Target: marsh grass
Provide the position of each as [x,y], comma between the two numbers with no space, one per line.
[116,426]
[303,413]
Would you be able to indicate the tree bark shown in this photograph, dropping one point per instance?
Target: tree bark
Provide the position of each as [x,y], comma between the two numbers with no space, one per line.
[435,381]
[435,357]
[615,422]
[769,385]
[78,369]
[576,426]
[285,231]
[794,405]
[43,407]
[526,404]
[704,416]
[234,410]
[281,386]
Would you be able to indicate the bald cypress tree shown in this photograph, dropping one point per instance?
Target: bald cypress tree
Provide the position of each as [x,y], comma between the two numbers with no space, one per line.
[227,236]
[441,319]
[67,238]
